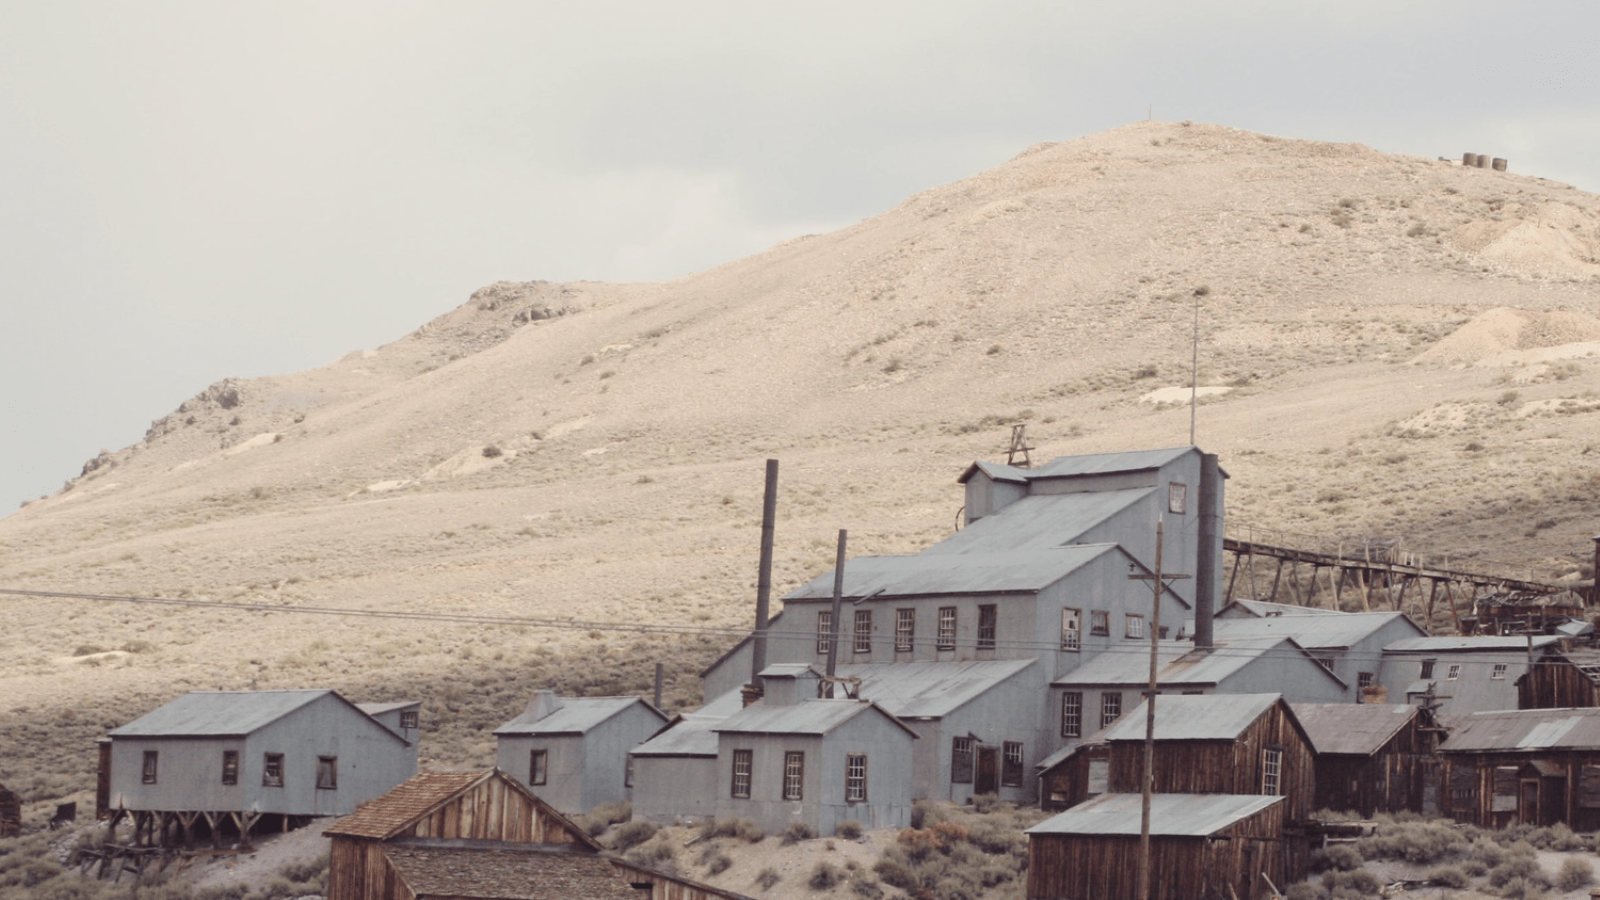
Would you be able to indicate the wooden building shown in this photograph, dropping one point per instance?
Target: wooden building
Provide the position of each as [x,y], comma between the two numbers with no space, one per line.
[1074,774]
[1539,766]
[1566,679]
[573,751]
[1370,758]
[215,761]
[1201,846]
[482,835]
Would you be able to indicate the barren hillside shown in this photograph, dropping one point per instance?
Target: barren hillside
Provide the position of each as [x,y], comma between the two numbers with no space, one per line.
[1401,347]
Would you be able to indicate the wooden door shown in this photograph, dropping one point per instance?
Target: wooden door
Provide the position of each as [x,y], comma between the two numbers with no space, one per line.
[988,770]
[1528,808]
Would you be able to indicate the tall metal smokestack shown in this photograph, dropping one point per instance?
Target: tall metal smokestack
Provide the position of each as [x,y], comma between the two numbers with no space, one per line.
[838,603]
[1208,571]
[769,513]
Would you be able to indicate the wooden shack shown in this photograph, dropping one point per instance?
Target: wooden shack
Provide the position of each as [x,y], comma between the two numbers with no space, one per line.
[1566,680]
[1074,774]
[1537,766]
[1201,845]
[1370,758]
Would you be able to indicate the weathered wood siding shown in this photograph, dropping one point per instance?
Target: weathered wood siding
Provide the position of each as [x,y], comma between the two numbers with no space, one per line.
[1390,780]
[1106,867]
[358,870]
[1067,783]
[1225,767]
[666,887]
[493,811]
[1558,685]
[1493,790]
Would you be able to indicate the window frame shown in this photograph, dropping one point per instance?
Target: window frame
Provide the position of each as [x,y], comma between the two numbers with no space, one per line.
[408,719]
[863,636]
[1100,622]
[230,767]
[905,630]
[988,625]
[1272,771]
[1133,626]
[150,767]
[1071,714]
[539,765]
[946,637]
[1453,673]
[1364,680]
[855,778]
[794,774]
[962,755]
[327,773]
[627,771]
[272,774]
[1426,670]
[1177,497]
[1110,707]
[1011,759]
[824,630]
[743,762]
[1071,638]
[1498,673]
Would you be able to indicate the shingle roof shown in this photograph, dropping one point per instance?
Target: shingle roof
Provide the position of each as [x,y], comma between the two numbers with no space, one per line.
[524,873]
[930,689]
[1352,728]
[1201,718]
[930,573]
[1314,632]
[805,717]
[223,713]
[576,716]
[405,803]
[1524,729]
[1178,815]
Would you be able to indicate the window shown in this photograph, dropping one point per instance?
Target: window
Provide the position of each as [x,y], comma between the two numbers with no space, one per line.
[741,773]
[272,770]
[961,761]
[1363,682]
[149,771]
[1110,707]
[1499,673]
[905,630]
[1011,764]
[1453,672]
[230,767]
[1177,497]
[1133,626]
[855,778]
[1427,668]
[327,773]
[794,775]
[408,719]
[824,631]
[1071,629]
[863,631]
[947,628]
[987,617]
[1099,776]
[1099,622]
[538,767]
[1072,714]
[627,772]
[1271,770]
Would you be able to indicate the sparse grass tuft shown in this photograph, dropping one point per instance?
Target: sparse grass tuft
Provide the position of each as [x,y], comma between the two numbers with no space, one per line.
[797,832]
[849,829]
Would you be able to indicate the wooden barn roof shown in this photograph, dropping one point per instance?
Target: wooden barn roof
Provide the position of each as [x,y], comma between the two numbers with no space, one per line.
[526,872]
[1352,728]
[424,793]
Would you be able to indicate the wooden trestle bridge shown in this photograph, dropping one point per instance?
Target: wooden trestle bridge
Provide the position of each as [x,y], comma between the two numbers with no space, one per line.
[1383,575]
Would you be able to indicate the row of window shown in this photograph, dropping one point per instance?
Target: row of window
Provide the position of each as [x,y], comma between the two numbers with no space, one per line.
[1453,671]
[271,769]
[794,772]
[1099,625]
[905,629]
[1072,711]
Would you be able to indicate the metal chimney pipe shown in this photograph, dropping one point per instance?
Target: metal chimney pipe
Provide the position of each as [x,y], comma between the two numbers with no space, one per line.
[769,512]
[838,598]
[1207,572]
[659,674]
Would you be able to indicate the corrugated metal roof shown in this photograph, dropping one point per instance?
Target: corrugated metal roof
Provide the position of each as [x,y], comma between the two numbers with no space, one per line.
[1313,632]
[1524,729]
[1038,522]
[930,573]
[405,803]
[1176,815]
[1108,463]
[219,713]
[1180,663]
[1263,608]
[378,709]
[1207,717]
[693,734]
[1356,728]
[788,670]
[997,471]
[576,716]
[523,873]
[922,690]
[805,717]
[1483,643]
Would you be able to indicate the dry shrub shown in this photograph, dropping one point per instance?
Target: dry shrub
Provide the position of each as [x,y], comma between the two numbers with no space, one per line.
[632,834]
[797,832]
[849,829]
[824,877]
[768,877]
[1360,883]
[1416,842]
[1338,857]
[1448,876]
[1576,873]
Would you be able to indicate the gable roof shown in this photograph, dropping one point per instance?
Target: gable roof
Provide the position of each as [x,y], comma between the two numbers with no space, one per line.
[1352,728]
[231,714]
[1039,522]
[1204,717]
[577,715]
[420,795]
[692,734]
[1238,608]
[930,574]
[1339,630]
[507,872]
[1524,729]
[1175,815]
[814,716]
[1180,663]
[930,690]
[1084,464]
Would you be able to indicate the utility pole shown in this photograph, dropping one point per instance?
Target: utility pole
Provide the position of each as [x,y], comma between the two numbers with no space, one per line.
[1157,582]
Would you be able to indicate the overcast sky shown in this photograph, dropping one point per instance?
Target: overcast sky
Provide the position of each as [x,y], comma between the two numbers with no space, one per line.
[193,190]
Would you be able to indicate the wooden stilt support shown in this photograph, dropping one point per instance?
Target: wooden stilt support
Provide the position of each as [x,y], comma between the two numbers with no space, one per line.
[1276,575]
[1232,574]
[1311,595]
[1294,581]
[1433,589]
[1250,563]
[1450,597]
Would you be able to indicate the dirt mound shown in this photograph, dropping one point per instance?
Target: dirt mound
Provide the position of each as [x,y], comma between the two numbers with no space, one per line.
[1545,240]
[1494,337]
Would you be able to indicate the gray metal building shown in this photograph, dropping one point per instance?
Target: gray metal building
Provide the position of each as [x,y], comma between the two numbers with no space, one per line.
[573,751]
[1467,674]
[1349,644]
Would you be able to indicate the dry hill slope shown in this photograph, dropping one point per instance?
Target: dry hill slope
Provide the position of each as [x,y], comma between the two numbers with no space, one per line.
[1406,346]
